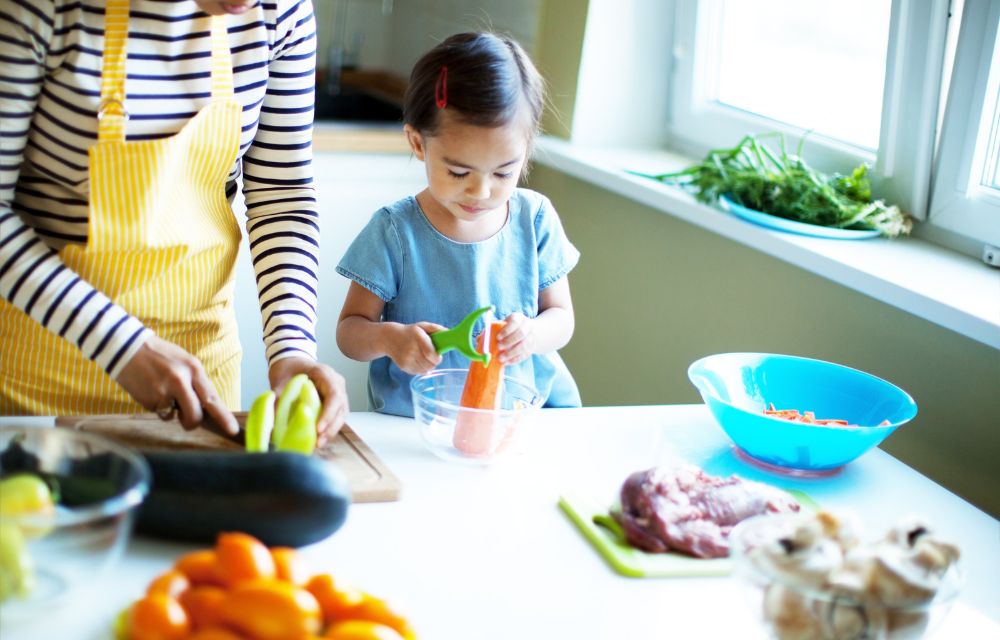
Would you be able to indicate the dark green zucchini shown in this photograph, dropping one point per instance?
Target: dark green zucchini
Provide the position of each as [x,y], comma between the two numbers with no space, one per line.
[281,498]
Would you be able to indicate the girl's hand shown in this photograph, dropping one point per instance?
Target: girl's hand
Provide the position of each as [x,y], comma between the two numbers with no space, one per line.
[517,340]
[410,347]
[166,379]
[330,385]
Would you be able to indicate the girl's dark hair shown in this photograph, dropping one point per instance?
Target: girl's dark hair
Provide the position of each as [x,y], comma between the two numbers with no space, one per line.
[489,79]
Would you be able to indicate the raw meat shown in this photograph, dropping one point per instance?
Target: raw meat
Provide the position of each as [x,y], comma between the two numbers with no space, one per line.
[685,509]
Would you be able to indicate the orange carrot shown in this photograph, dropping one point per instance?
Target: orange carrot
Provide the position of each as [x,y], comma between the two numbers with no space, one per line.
[473,430]
[808,417]
[482,386]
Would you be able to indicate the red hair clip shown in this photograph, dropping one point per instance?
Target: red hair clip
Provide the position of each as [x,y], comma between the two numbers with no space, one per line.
[441,88]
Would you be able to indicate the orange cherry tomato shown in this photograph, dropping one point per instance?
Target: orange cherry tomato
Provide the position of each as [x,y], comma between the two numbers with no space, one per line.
[290,566]
[203,605]
[171,583]
[271,610]
[337,603]
[215,633]
[379,611]
[157,617]
[199,566]
[361,630]
[241,557]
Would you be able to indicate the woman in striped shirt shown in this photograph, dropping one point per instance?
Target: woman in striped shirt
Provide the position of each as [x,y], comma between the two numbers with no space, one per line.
[124,129]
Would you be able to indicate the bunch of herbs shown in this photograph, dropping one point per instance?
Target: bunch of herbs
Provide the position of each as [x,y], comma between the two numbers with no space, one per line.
[784,185]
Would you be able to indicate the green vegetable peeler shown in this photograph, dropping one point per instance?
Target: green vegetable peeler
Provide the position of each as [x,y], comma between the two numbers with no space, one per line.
[460,337]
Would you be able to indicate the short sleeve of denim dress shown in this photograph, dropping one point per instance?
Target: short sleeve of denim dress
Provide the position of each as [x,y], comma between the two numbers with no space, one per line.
[422,275]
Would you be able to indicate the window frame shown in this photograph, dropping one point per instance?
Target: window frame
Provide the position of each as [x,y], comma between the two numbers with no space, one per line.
[959,205]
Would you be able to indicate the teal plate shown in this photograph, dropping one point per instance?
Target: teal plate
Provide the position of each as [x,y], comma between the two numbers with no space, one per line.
[594,522]
[791,226]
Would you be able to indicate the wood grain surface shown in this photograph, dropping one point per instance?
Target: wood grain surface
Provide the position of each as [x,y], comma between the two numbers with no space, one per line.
[370,479]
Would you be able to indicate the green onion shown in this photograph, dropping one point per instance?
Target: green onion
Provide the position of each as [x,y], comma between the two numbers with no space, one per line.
[753,175]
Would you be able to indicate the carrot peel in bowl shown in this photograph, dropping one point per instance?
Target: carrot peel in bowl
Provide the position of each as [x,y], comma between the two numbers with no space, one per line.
[809,417]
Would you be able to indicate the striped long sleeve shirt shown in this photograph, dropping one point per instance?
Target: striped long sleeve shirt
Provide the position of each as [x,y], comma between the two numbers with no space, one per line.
[50,71]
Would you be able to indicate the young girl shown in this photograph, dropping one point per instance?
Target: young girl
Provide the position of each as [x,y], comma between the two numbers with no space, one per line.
[470,239]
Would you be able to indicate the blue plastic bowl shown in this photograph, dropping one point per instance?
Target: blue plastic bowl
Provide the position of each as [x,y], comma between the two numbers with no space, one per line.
[738,387]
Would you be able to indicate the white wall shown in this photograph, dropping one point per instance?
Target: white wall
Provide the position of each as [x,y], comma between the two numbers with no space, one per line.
[350,188]
[619,103]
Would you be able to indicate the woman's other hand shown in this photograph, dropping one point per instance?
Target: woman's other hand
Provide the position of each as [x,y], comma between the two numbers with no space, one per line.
[410,346]
[161,373]
[331,387]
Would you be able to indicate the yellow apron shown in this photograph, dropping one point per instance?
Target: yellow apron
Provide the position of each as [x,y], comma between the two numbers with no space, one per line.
[162,243]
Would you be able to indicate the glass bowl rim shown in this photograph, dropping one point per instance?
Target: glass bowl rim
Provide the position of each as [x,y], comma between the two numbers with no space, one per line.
[119,503]
[440,373]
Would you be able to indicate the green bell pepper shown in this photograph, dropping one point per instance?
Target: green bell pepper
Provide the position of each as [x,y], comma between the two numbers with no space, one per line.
[284,408]
[300,434]
[17,572]
[260,423]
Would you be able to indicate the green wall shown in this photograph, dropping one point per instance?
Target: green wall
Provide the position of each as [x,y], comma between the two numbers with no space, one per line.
[653,293]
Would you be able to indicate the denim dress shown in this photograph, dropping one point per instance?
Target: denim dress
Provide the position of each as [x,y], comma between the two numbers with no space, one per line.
[422,275]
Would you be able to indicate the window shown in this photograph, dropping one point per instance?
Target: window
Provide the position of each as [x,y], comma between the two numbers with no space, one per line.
[832,72]
[966,196]
[788,63]
[862,81]
[992,173]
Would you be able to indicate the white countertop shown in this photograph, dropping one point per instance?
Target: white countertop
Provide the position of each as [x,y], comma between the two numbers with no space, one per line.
[486,553]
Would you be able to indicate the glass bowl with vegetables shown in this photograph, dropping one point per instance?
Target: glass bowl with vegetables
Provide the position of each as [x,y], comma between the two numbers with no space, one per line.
[67,500]
[458,429]
[818,575]
[797,415]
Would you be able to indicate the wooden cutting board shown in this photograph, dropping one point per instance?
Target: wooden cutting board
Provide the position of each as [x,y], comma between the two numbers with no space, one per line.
[369,477]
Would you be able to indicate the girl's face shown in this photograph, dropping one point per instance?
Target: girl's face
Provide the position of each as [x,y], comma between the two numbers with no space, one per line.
[471,173]
[218,7]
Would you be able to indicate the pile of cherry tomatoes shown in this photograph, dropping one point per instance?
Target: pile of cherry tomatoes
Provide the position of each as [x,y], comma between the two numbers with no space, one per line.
[242,590]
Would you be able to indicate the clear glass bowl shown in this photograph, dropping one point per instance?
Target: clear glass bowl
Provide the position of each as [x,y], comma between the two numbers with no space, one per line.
[789,608]
[462,434]
[97,486]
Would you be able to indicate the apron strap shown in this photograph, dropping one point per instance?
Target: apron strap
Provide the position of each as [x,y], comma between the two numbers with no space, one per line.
[222,60]
[111,113]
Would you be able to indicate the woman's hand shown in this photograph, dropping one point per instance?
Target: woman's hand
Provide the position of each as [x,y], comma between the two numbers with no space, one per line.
[161,373]
[330,385]
[517,340]
[410,347]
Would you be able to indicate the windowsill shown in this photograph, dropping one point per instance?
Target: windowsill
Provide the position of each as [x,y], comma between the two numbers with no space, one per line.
[955,291]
